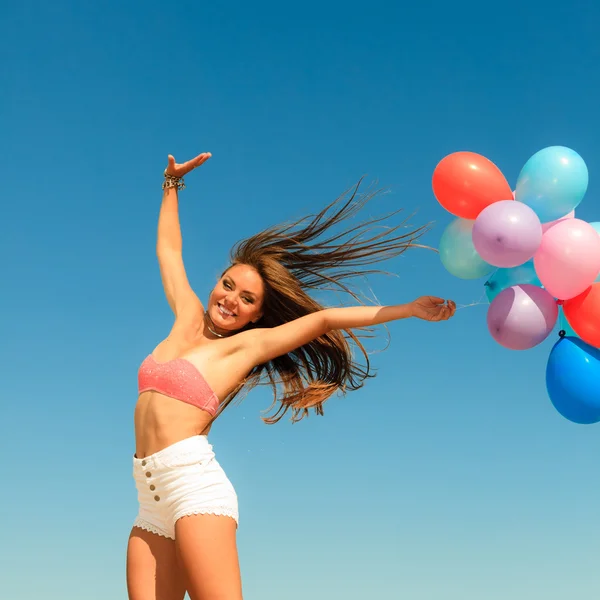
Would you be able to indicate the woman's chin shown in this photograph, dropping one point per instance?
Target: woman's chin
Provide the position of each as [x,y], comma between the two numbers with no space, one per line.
[217,318]
[221,321]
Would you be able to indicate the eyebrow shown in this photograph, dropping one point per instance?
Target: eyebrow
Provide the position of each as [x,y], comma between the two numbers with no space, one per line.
[235,285]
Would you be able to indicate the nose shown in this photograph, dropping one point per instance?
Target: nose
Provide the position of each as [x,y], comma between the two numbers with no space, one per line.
[230,300]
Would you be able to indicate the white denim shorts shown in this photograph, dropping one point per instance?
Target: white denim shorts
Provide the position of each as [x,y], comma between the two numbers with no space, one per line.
[182,479]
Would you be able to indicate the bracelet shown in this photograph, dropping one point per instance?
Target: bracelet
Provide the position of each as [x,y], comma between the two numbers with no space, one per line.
[173,182]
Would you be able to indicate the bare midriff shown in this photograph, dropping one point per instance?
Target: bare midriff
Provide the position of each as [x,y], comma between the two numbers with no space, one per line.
[161,421]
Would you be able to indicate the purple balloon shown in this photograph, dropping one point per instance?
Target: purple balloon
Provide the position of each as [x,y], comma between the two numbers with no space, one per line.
[522,316]
[507,233]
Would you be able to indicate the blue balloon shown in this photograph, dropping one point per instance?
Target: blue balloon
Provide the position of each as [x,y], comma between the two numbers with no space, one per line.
[553,182]
[505,278]
[573,380]
[458,253]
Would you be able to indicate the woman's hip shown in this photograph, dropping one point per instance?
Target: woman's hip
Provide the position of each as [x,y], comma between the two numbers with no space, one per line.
[186,468]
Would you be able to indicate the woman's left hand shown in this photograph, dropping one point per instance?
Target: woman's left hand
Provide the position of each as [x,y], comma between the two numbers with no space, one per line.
[432,308]
[179,170]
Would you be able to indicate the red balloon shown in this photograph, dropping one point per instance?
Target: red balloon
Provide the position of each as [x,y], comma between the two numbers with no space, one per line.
[465,183]
[583,315]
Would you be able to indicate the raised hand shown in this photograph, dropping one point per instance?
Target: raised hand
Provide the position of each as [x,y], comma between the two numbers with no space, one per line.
[432,308]
[179,170]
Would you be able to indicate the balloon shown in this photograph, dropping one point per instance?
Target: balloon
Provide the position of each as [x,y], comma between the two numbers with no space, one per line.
[546,226]
[464,183]
[596,226]
[458,254]
[573,380]
[507,233]
[583,314]
[553,182]
[522,316]
[568,259]
[563,324]
[505,278]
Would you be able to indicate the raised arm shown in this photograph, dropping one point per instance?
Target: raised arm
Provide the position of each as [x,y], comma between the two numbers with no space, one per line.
[266,344]
[178,291]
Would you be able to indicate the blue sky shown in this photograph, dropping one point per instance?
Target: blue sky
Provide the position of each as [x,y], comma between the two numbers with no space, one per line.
[450,475]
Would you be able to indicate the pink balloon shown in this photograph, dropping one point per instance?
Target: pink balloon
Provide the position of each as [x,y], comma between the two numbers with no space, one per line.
[546,226]
[568,259]
[507,233]
[522,316]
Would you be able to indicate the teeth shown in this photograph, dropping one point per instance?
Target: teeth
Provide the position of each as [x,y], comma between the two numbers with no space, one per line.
[225,311]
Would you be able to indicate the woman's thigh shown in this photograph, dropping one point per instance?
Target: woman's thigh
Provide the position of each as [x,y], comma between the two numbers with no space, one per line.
[153,570]
[207,550]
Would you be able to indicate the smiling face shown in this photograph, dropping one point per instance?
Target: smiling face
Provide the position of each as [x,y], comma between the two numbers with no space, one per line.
[237,299]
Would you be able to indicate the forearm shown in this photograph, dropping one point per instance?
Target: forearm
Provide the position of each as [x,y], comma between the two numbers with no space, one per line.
[169,230]
[365,316]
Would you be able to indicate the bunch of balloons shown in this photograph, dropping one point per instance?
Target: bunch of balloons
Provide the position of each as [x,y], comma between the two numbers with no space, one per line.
[545,262]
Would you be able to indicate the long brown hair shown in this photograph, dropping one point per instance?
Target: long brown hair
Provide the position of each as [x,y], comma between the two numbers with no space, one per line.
[292,258]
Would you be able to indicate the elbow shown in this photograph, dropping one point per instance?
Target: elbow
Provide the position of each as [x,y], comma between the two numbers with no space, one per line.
[163,249]
[327,320]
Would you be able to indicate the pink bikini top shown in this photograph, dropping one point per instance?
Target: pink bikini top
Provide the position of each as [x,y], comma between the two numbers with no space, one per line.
[179,379]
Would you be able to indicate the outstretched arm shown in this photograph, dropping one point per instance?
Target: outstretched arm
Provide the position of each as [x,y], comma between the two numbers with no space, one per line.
[266,344]
[178,291]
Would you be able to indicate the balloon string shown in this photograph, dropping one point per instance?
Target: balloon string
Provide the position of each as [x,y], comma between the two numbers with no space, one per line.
[479,302]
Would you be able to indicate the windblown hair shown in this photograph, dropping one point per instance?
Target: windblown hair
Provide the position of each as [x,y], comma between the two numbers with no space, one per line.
[295,257]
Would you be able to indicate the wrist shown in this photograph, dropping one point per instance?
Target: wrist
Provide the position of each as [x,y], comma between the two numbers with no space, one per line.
[173,182]
[393,313]
[409,309]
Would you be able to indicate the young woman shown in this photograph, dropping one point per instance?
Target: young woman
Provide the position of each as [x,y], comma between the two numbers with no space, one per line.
[259,325]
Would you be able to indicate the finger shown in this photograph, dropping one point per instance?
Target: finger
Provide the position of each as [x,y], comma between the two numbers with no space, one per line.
[171,160]
[195,162]
[200,160]
[436,300]
[445,313]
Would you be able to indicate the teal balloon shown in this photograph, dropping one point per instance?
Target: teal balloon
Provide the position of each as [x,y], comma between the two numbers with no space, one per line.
[563,324]
[596,226]
[458,254]
[505,278]
[573,380]
[553,182]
